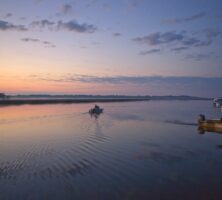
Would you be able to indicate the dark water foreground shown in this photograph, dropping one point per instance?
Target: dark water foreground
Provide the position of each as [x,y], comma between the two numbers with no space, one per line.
[132,151]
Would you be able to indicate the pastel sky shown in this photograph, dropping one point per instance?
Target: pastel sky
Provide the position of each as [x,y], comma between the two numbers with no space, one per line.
[135,47]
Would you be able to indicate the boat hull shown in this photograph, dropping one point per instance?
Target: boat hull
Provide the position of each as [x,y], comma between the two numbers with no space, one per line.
[210,126]
[95,111]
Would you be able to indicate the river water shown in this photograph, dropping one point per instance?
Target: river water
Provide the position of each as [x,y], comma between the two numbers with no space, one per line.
[134,150]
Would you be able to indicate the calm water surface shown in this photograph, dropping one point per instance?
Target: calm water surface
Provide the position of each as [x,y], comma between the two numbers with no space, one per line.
[137,150]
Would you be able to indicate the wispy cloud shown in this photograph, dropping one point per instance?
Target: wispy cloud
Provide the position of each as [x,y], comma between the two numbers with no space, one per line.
[186,19]
[179,49]
[7,15]
[116,34]
[199,56]
[65,9]
[179,40]
[7,26]
[50,46]
[160,38]
[125,79]
[90,3]
[206,36]
[144,84]
[35,40]
[42,23]
[134,3]
[152,51]
[30,40]
[211,33]
[72,26]
[75,26]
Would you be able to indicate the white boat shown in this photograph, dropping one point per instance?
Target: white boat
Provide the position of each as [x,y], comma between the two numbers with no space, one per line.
[96,110]
[217,102]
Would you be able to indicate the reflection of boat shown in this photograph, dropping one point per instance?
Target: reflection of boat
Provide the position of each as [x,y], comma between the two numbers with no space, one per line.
[96,110]
[211,125]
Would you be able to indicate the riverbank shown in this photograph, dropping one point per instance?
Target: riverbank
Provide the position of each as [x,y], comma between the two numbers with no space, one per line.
[91,99]
[67,101]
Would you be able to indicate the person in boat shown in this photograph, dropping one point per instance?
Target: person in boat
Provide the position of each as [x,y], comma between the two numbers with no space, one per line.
[201,118]
[96,107]
[96,110]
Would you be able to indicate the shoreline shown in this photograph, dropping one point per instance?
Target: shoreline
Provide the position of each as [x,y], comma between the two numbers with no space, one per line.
[65,101]
[8,102]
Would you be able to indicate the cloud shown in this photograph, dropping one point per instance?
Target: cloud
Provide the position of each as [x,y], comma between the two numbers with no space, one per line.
[218,16]
[211,33]
[116,34]
[42,24]
[96,79]
[190,41]
[134,3]
[144,85]
[7,26]
[178,39]
[45,43]
[22,18]
[123,79]
[49,44]
[186,19]
[199,56]
[90,3]
[196,16]
[8,15]
[65,9]
[30,40]
[160,38]
[106,6]
[74,26]
[179,49]
[152,51]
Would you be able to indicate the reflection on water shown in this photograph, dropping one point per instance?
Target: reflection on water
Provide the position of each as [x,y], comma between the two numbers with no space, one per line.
[203,130]
[181,123]
[135,150]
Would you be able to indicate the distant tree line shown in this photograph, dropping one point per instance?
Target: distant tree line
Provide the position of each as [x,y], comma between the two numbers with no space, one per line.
[3,96]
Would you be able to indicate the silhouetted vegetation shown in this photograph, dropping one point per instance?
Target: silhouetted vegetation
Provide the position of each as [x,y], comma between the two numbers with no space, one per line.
[52,99]
[76,96]
[2,96]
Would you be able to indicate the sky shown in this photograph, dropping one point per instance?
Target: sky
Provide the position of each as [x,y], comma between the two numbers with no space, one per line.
[126,47]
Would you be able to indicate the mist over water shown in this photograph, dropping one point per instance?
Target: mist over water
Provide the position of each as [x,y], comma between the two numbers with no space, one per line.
[134,150]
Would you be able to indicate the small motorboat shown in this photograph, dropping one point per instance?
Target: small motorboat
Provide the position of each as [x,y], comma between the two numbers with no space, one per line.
[217,102]
[210,125]
[96,110]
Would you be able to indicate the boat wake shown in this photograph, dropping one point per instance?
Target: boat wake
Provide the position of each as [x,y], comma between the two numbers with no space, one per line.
[180,122]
